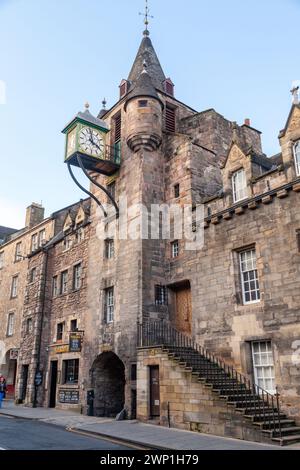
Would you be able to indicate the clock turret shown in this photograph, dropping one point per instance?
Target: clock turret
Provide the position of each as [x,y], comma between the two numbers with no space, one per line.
[86,140]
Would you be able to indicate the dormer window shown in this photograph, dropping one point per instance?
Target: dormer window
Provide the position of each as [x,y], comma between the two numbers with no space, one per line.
[239,185]
[297,157]
[169,87]
[124,87]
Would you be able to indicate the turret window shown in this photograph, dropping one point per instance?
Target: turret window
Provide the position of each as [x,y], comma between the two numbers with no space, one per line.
[297,157]
[239,185]
[143,104]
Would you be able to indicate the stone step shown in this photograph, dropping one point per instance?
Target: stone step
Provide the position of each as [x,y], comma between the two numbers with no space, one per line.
[286,431]
[265,425]
[285,440]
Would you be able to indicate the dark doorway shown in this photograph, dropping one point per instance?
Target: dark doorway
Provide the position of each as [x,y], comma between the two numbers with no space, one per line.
[53,384]
[108,382]
[154,391]
[133,404]
[25,369]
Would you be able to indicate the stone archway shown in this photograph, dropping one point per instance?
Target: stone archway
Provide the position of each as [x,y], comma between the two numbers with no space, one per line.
[9,370]
[108,382]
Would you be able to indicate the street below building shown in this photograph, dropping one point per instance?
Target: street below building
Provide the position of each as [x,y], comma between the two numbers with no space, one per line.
[22,434]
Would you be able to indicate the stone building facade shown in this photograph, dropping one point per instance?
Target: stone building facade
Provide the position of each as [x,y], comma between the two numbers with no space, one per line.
[236,294]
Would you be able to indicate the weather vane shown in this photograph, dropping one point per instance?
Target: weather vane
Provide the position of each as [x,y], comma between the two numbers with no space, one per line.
[147,16]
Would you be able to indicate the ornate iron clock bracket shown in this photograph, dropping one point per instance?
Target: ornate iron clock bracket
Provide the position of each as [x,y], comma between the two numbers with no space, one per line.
[80,163]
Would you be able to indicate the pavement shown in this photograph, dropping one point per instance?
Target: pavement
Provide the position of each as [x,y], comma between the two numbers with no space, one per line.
[133,432]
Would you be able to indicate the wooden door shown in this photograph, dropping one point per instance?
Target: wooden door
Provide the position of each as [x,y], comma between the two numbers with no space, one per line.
[183,316]
[154,392]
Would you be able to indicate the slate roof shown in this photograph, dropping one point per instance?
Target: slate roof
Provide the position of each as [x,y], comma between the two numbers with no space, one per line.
[143,88]
[146,53]
[5,233]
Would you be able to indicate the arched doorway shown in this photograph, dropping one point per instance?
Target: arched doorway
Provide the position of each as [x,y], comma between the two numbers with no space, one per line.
[108,382]
[9,370]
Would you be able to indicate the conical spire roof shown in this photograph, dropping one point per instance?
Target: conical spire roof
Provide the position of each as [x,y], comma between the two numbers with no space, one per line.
[146,54]
[143,87]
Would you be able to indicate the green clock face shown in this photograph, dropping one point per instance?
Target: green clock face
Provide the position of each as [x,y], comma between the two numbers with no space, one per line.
[91,141]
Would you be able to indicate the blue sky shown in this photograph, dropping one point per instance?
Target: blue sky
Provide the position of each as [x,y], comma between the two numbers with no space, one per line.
[237,57]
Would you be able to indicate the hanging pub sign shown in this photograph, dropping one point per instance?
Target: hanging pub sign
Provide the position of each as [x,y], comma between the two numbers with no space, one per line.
[75,341]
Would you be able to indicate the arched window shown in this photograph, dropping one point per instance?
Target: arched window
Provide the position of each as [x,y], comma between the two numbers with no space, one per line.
[297,156]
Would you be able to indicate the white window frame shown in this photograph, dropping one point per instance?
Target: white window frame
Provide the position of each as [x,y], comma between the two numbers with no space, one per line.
[175,248]
[55,289]
[64,282]
[11,324]
[18,252]
[109,305]
[263,365]
[29,325]
[34,242]
[247,278]
[1,259]
[14,287]
[77,276]
[80,235]
[296,150]
[239,186]
[109,248]
[42,237]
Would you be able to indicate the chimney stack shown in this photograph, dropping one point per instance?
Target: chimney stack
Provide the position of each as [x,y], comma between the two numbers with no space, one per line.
[247,122]
[34,215]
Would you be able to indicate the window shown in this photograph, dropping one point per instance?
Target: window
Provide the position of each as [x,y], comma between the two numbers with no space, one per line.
[263,365]
[176,190]
[18,255]
[71,368]
[64,282]
[169,87]
[10,324]
[170,119]
[239,185]
[133,372]
[42,237]
[109,305]
[34,242]
[143,104]
[29,326]
[161,295]
[73,325]
[14,287]
[249,277]
[175,249]
[297,157]
[1,259]
[55,286]
[80,235]
[60,331]
[109,248]
[298,239]
[111,188]
[77,276]
[67,243]
[33,272]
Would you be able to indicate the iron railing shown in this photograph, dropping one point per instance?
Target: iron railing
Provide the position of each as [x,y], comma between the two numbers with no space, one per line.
[252,398]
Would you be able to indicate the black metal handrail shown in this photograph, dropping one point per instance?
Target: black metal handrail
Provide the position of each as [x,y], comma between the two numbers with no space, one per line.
[112,153]
[159,333]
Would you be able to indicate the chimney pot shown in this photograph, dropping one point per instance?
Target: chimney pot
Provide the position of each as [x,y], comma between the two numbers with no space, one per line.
[247,122]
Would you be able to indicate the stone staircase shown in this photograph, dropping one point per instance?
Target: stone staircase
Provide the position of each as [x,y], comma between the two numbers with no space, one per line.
[257,407]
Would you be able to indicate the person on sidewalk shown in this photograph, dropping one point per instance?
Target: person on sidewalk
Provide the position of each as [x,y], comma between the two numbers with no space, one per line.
[2,389]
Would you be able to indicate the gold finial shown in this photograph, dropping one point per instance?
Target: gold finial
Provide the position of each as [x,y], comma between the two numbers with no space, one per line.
[146,16]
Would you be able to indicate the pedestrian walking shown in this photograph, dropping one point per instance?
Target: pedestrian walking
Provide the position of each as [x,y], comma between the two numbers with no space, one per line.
[2,389]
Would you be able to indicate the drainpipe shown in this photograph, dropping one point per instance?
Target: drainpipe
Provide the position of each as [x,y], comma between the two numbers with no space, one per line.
[39,346]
